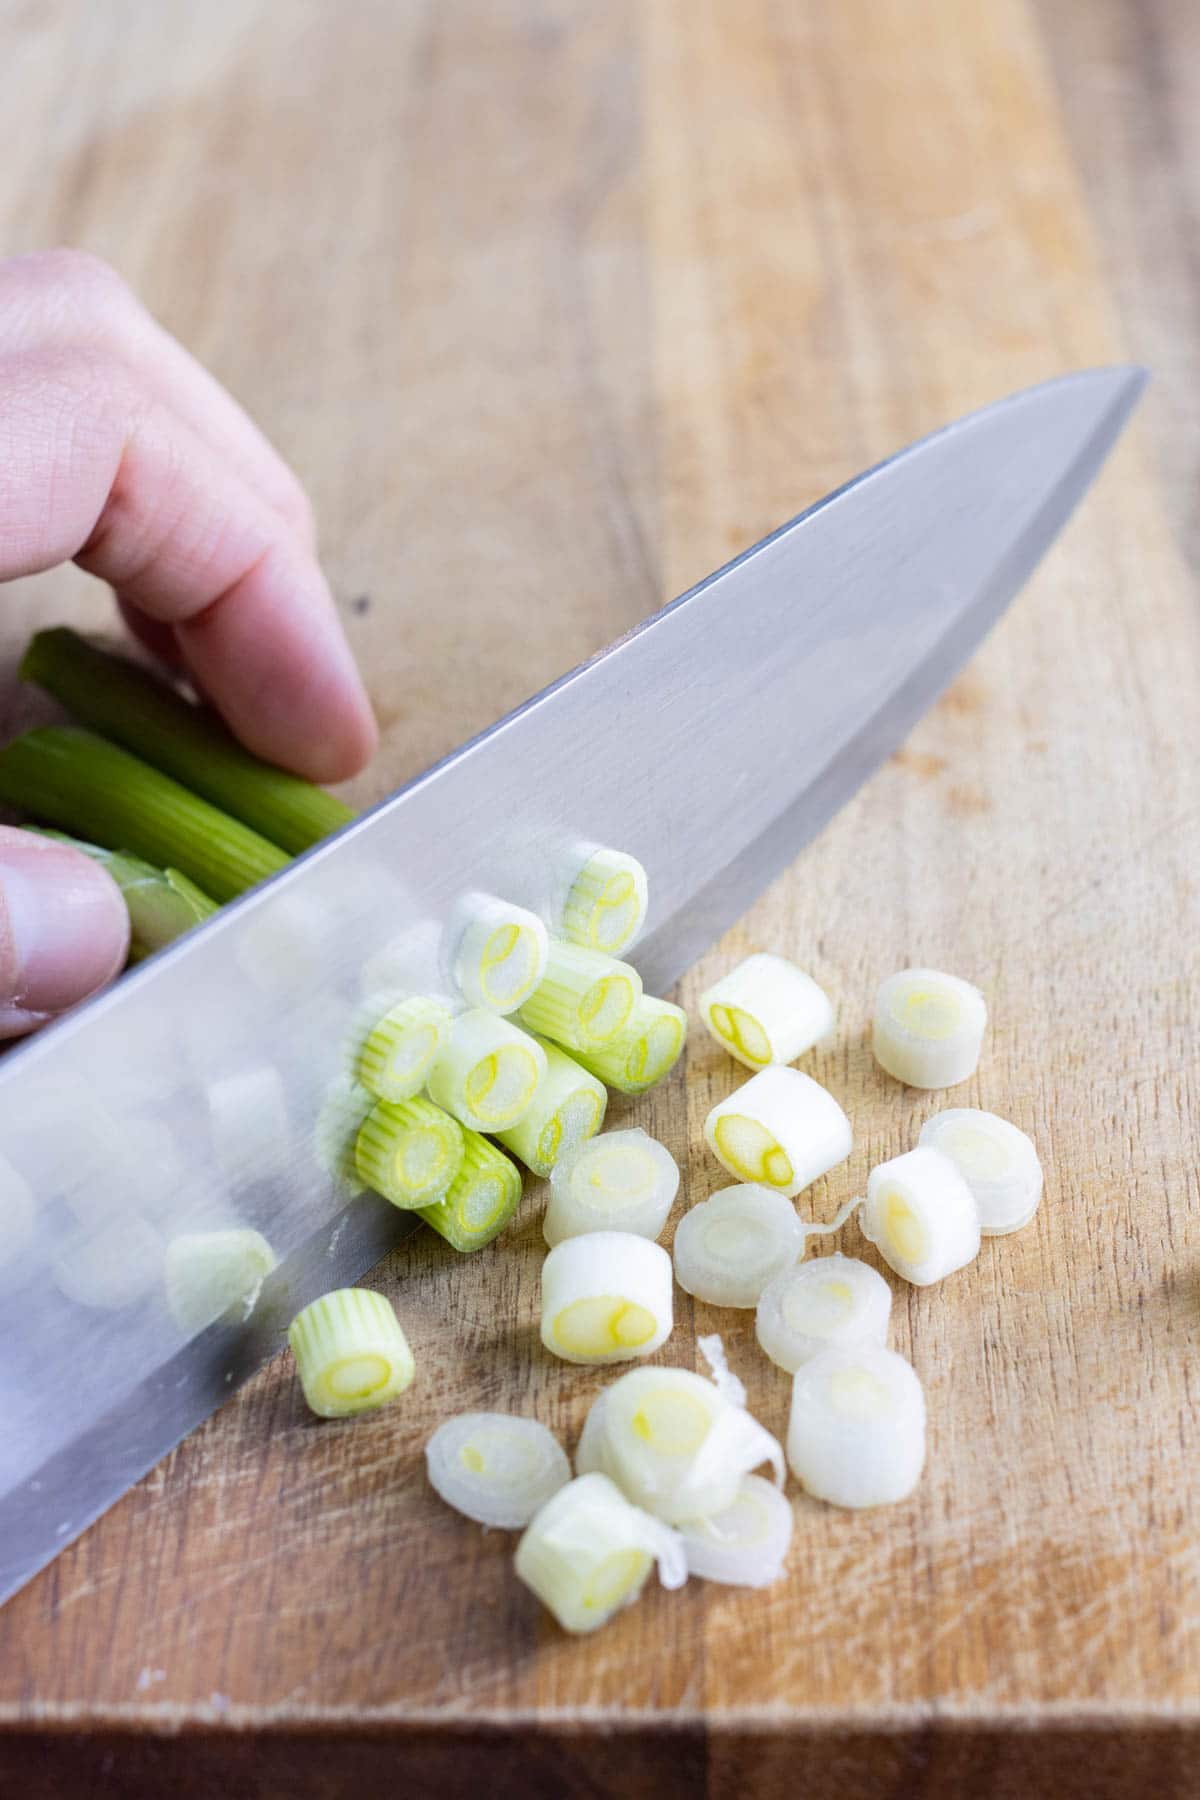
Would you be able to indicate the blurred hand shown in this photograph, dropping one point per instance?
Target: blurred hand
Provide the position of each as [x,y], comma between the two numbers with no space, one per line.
[120,453]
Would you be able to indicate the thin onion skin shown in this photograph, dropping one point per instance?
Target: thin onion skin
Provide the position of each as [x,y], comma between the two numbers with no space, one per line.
[717,1552]
[853,1461]
[583,1528]
[498,1506]
[737,1282]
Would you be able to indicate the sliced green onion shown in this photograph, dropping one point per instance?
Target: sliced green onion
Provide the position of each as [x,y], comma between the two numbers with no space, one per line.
[746,1544]
[335,1135]
[211,1273]
[249,1121]
[409,1151]
[88,786]
[401,1048]
[567,1109]
[856,1436]
[496,1469]
[928,1028]
[620,1181]
[921,1216]
[731,1245]
[780,1128]
[645,1051]
[162,904]
[606,1298]
[351,1353]
[832,1301]
[606,895]
[587,1553]
[673,1443]
[112,1265]
[584,1000]
[998,1162]
[488,1073]
[480,1200]
[766,1011]
[126,703]
[497,952]
[18,1210]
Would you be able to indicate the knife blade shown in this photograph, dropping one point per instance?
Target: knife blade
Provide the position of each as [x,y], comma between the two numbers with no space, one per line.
[208,1087]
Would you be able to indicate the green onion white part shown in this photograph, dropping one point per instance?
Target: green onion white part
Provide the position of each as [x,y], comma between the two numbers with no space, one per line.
[928,1028]
[489,1072]
[211,1273]
[111,1266]
[619,1181]
[402,1046]
[831,1301]
[998,1162]
[746,1544]
[497,952]
[921,1216]
[496,1469]
[480,1200]
[724,1380]
[766,1011]
[856,1436]
[248,1119]
[339,1120]
[780,1128]
[645,1051]
[605,898]
[351,1353]
[567,1109]
[606,1298]
[584,999]
[18,1210]
[673,1443]
[728,1247]
[409,1151]
[588,1552]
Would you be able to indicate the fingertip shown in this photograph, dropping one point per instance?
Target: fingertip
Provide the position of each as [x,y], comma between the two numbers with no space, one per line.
[64,927]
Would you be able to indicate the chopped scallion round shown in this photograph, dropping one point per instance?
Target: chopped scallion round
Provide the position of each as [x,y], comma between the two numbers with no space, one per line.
[210,1273]
[489,1072]
[780,1128]
[497,952]
[813,1306]
[606,1298]
[567,1109]
[584,1000]
[729,1246]
[921,1216]
[766,1011]
[619,1181]
[351,1352]
[928,1028]
[409,1151]
[480,1200]
[746,1544]
[998,1162]
[587,1553]
[401,1048]
[496,1469]
[606,896]
[856,1435]
[647,1049]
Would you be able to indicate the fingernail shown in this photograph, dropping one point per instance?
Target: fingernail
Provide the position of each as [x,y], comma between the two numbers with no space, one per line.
[64,930]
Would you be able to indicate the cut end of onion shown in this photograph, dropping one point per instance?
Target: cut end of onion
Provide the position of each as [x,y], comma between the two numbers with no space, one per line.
[766,1011]
[856,1436]
[831,1301]
[351,1354]
[496,1469]
[998,1162]
[568,1108]
[606,898]
[928,1028]
[497,952]
[409,1151]
[588,1553]
[781,1129]
[489,1073]
[921,1216]
[606,1298]
[620,1181]
[729,1247]
[402,1046]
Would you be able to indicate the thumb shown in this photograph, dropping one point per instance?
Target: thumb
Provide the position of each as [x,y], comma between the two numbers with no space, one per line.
[64,930]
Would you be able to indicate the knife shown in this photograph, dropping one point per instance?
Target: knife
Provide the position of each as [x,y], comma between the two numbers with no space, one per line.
[208,1087]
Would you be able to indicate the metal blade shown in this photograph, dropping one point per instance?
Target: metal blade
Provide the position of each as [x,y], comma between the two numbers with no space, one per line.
[204,1089]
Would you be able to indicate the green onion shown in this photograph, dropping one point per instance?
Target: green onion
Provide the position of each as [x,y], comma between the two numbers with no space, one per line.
[132,706]
[567,1109]
[88,786]
[409,1151]
[401,1048]
[481,1199]
[162,903]
[351,1353]
[587,1553]
[584,999]
[645,1051]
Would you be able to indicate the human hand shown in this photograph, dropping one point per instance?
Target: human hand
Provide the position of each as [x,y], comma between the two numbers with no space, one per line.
[120,453]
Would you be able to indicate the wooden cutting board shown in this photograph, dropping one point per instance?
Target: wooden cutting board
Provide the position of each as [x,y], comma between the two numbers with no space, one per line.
[555,307]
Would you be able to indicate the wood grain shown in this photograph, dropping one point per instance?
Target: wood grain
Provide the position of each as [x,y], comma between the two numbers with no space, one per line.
[554,308]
